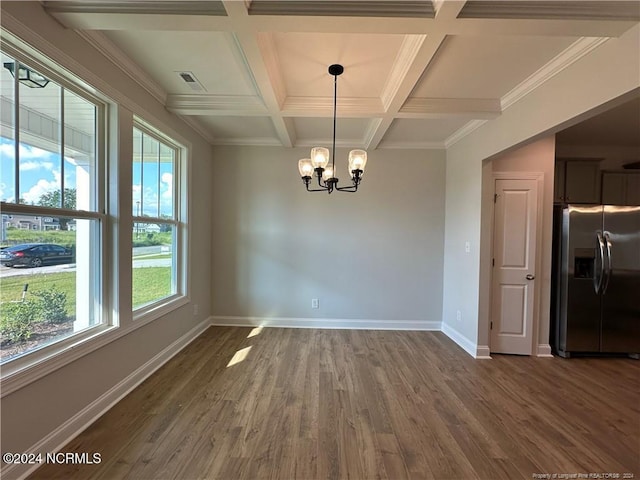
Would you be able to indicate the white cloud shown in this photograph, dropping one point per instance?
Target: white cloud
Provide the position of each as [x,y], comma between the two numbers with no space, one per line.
[27,152]
[150,197]
[30,165]
[4,189]
[43,186]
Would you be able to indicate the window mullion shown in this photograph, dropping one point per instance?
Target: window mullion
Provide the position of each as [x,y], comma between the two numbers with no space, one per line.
[158,186]
[16,131]
[62,141]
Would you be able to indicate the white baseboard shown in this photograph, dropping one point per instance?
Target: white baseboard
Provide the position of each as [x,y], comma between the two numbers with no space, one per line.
[462,341]
[70,429]
[327,323]
[544,350]
[483,352]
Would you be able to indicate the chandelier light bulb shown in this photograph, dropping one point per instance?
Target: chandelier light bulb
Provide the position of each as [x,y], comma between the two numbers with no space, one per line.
[328,173]
[357,160]
[305,168]
[319,157]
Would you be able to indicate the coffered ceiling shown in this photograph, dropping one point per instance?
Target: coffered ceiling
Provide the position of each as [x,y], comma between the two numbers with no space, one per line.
[418,74]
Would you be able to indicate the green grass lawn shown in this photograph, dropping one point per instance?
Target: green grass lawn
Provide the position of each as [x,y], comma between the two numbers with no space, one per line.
[18,235]
[148,284]
[152,257]
[11,287]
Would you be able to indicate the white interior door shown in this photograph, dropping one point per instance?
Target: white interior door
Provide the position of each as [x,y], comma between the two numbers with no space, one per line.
[514,255]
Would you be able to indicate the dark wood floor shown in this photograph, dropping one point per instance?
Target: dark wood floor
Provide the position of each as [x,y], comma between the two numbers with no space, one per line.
[306,404]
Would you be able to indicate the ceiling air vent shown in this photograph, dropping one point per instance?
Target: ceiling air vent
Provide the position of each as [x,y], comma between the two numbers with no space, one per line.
[190,79]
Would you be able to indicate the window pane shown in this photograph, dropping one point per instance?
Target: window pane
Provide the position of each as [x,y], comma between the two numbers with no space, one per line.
[150,175]
[79,152]
[167,162]
[40,162]
[7,138]
[154,272]
[137,172]
[49,281]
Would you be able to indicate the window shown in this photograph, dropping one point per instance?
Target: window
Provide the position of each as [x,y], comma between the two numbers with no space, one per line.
[52,229]
[157,272]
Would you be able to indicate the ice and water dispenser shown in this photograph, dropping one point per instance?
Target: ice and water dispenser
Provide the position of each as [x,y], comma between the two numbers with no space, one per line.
[585,259]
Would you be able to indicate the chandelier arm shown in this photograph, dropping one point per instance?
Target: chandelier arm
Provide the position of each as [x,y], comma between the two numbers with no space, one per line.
[322,183]
[350,189]
[316,189]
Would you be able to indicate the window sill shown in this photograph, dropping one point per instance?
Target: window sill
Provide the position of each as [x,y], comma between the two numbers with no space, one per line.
[22,371]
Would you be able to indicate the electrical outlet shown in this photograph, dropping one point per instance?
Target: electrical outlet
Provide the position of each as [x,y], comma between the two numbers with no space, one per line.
[467,247]
[196,309]
[458,315]
[315,303]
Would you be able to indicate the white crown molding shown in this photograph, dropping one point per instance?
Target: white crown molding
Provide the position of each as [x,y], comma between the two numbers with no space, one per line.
[349,107]
[571,54]
[234,105]
[106,47]
[564,59]
[474,108]
[372,129]
[332,323]
[408,145]
[315,142]
[463,132]
[250,141]
[411,45]
[202,131]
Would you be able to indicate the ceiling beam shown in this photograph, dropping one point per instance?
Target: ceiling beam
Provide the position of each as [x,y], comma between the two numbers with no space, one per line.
[254,57]
[349,107]
[80,15]
[423,50]
[140,21]
[221,105]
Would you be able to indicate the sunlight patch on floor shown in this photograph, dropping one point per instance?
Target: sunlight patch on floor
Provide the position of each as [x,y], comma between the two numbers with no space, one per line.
[256,331]
[239,356]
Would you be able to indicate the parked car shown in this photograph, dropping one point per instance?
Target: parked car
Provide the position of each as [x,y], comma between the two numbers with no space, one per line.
[35,254]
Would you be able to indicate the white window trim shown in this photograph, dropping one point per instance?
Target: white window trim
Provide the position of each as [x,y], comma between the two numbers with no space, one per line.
[164,305]
[28,367]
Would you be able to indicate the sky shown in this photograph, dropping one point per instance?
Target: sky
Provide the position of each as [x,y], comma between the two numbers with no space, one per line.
[40,172]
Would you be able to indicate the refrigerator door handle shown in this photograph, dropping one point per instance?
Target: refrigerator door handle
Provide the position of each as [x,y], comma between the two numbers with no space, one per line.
[598,274]
[609,264]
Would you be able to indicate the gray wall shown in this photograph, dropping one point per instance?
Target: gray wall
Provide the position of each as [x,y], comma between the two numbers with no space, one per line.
[373,255]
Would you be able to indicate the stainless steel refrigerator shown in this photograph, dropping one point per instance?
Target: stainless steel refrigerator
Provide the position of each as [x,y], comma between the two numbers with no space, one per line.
[598,280]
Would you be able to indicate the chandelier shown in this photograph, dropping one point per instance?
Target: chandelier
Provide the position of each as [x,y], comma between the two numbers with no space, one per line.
[319,161]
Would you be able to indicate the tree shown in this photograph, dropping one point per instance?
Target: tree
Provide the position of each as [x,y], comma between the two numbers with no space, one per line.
[52,199]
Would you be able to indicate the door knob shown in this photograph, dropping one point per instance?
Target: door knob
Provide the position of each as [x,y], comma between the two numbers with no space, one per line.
[530,277]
